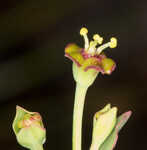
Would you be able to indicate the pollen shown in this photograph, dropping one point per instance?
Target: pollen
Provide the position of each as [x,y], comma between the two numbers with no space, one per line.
[97,38]
[113,42]
[83,31]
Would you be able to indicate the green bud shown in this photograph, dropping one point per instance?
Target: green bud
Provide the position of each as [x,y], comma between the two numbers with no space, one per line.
[103,124]
[29,130]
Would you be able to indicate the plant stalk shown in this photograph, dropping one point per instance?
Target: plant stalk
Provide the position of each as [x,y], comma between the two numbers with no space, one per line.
[77,116]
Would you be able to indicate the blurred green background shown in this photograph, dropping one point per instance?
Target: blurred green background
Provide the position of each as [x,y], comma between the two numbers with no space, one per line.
[35,74]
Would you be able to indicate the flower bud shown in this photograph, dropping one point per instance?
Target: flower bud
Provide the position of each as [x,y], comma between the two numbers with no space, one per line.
[104,122]
[29,130]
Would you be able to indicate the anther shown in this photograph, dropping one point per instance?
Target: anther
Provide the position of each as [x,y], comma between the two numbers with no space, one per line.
[113,42]
[97,38]
[83,31]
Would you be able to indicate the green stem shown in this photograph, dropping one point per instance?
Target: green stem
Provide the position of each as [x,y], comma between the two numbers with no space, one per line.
[77,116]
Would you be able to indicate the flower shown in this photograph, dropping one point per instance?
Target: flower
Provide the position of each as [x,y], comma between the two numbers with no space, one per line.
[106,126]
[28,128]
[90,57]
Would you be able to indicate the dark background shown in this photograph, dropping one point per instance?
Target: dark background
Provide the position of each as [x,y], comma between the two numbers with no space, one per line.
[35,74]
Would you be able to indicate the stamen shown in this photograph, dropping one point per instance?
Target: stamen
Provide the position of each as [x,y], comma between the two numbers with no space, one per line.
[97,38]
[111,44]
[101,48]
[93,44]
[92,47]
[83,32]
